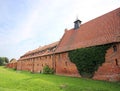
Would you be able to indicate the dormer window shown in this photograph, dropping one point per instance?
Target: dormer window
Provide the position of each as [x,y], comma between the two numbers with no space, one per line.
[48,50]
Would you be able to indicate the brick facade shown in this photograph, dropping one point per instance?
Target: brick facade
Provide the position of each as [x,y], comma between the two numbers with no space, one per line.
[12,65]
[59,62]
[110,70]
[64,66]
[35,64]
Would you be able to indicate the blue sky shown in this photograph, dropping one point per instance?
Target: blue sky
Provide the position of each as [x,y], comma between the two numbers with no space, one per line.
[28,24]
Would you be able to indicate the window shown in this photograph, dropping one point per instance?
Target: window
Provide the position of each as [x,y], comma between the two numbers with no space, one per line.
[116,62]
[48,50]
[114,48]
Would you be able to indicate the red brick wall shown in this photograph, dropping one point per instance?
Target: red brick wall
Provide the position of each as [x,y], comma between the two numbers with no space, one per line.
[35,64]
[64,66]
[18,65]
[40,62]
[60,62]
[12,65]
[110,70]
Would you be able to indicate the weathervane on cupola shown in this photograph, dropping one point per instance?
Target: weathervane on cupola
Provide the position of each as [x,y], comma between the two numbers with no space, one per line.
[77,23]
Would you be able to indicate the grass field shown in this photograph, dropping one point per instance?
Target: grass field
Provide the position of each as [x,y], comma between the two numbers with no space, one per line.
[11,80]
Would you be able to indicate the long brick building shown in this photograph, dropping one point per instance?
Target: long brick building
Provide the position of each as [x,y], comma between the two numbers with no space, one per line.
[99,31]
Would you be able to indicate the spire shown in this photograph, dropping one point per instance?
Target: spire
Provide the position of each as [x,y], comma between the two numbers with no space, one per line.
[77,23]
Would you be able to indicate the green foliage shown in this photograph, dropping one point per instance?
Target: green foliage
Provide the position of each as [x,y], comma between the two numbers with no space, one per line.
[6,60]
[88,59]
[14,68]
[11,80]
[47,70]
[3,60]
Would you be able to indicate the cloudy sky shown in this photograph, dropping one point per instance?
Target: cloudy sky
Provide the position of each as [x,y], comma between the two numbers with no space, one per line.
[28,24]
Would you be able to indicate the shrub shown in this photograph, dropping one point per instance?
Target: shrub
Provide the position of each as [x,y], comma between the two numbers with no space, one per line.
[48,70]
[88,59]
[14,68]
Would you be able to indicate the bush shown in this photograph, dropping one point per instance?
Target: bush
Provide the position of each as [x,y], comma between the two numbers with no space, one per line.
[88,59]
[48,70]
[14,68]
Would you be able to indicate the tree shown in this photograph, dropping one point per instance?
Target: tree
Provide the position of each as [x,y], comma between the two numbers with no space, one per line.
[3,60]
[6,60]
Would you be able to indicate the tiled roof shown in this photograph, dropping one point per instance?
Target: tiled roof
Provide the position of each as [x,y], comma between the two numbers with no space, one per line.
[41,51]
[102,30]
[13,61]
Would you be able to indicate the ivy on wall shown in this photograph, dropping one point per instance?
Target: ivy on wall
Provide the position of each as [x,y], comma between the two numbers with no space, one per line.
[88,59]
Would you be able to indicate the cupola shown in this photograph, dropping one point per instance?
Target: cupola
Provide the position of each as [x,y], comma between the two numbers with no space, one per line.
[77,24]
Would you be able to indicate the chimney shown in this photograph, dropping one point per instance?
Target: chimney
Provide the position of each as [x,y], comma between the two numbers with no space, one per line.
[77,24]
[65,30]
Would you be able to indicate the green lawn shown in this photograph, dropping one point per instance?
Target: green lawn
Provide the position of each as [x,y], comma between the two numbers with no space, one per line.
[11,80]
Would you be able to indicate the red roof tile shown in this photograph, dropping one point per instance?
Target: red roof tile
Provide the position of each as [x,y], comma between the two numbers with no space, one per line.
[102,30]
[41,51]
